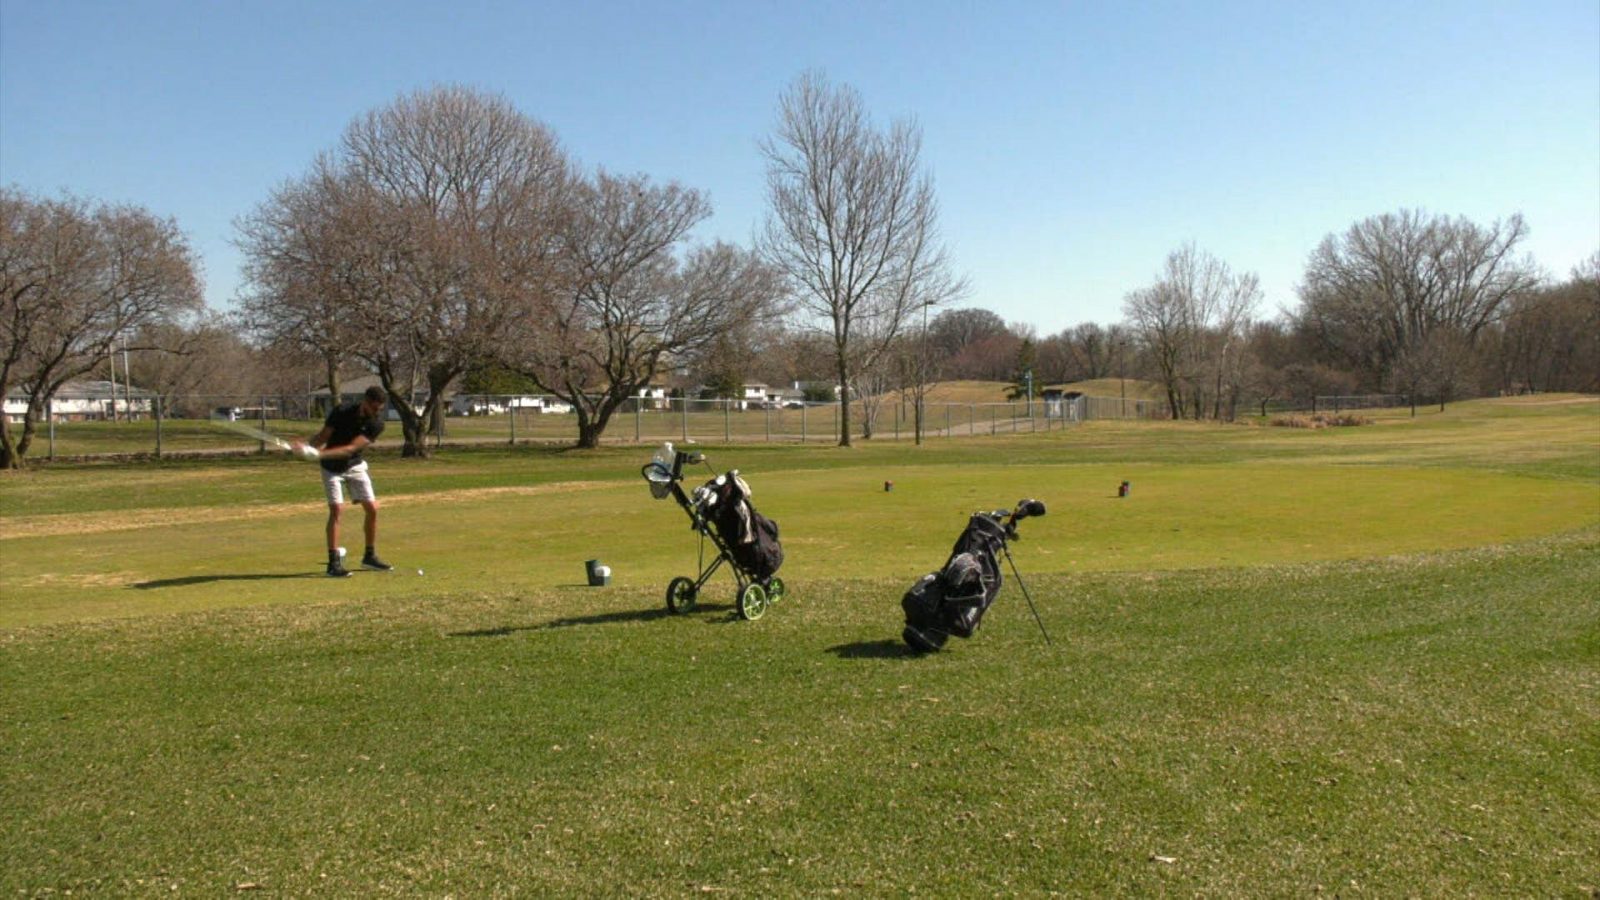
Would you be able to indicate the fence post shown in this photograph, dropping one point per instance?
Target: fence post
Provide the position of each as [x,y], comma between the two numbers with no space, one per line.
[511,412]
[686,418]
[263,419]
[638,415]
[993,416]
[767,415]
[50,414]
[897,423]
[803,406]
[157,404]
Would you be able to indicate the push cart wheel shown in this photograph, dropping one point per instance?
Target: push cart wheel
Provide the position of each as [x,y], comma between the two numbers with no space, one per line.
[774,590]
[681,595]
[752,602]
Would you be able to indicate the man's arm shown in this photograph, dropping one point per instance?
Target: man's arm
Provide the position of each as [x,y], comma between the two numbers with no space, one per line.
[318,440]
[348,450]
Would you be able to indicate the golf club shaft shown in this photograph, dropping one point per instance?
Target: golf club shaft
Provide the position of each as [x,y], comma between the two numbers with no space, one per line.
[257,433]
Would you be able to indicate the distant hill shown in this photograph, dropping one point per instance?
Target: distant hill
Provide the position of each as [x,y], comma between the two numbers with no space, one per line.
[1112,387]
[962,392]
[997,391]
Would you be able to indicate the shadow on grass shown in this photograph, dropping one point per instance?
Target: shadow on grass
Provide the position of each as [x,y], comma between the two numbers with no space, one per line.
[611,618]
[886,649]
[208,579]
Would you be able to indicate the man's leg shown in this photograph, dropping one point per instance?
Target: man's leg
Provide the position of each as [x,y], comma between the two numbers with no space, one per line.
[336,567]
[333,486]
[361,491]
[370,560]
[333,528]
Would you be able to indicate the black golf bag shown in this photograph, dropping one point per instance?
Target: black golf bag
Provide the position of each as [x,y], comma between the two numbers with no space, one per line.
[953,600]
[751,538]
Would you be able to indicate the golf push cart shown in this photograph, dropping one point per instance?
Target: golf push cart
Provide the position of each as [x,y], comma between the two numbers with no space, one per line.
[954,599]
[720,510]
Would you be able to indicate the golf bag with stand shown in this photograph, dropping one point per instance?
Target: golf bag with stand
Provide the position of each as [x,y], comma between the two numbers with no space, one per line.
[952,601]
[720,510]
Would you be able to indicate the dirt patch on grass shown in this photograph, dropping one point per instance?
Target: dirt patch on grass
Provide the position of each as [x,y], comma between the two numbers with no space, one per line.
[127,520]
[81,580]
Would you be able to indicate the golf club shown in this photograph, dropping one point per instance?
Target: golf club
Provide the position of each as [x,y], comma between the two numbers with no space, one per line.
[252,431]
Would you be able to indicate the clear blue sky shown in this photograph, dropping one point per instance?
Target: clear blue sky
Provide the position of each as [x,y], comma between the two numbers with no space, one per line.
[1073,144]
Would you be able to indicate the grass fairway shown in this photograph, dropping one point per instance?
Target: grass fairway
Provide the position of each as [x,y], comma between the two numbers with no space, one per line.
[1355,661]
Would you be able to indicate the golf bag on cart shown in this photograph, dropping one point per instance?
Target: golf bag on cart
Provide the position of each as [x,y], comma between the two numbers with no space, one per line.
[954,599]
[720,510]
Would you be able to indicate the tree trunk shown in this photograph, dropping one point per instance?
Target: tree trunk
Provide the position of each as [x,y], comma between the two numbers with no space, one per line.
[9,457]
[589,434]
[844,405]
[411,427]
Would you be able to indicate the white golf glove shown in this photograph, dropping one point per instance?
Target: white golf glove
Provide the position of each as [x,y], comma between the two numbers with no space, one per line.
[309,452]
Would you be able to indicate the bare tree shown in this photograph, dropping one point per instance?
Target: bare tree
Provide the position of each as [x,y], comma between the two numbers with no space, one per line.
[1375,293]
[954,330]
[424,235]
[852,225]
[1438,366]
[189,364]
[75,283]
[1190,321]
[918,365]
[629,305]
[1550,338]
[302,262]
[1090,351]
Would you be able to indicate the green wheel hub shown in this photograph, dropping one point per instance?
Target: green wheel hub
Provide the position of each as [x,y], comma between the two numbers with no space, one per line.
[752,602]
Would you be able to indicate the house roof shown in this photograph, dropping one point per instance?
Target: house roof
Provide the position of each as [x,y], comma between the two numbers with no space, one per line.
[89,390]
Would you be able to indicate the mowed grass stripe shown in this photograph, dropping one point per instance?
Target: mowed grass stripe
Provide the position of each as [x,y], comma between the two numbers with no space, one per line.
[1416,726]
[835,521]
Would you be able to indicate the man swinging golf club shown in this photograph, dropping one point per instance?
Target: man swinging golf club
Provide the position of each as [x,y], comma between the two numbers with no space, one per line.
[349,429]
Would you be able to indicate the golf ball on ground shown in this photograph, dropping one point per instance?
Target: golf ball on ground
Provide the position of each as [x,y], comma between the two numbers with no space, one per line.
[419,571]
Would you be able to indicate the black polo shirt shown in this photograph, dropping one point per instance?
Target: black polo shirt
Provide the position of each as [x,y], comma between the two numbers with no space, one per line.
[345,423]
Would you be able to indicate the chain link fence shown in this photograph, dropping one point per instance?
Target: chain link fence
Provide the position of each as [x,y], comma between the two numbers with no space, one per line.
[139,423]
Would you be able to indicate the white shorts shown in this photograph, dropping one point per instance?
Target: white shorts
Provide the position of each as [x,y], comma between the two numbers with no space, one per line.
[333,484]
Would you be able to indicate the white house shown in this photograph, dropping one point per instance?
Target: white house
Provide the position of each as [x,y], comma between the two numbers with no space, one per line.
[85,401]
[756,394]
[653,396]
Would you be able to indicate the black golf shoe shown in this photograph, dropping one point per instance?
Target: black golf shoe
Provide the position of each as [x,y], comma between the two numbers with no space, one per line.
[336,570]
[371,561]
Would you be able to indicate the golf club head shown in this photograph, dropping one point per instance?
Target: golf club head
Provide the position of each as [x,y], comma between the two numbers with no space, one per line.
[1029,507]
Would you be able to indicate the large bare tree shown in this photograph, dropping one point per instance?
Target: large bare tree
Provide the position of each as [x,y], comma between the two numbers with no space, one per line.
[852,225]
[631,301]
[1376,293]
[418,242]
[77,282]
